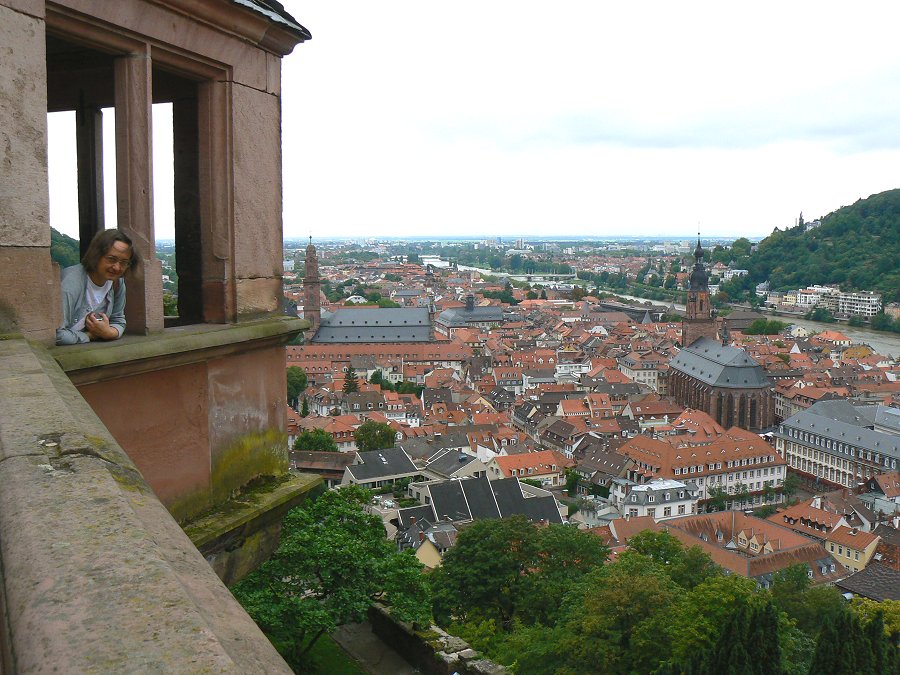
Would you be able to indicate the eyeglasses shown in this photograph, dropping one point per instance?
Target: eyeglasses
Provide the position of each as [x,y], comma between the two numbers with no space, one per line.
[113,260]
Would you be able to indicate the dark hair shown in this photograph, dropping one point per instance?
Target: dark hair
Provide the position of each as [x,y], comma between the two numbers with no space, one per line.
[100,245]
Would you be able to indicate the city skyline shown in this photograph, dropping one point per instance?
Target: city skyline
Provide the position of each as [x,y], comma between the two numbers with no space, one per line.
[401,120]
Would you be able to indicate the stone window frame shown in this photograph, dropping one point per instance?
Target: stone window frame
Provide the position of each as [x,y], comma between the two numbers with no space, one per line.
[135,57]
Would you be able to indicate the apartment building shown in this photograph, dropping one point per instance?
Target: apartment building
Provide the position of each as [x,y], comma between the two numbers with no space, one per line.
[660,499]
[738,462]
[837,443]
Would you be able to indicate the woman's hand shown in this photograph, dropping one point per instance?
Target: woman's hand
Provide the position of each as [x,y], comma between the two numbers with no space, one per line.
[97,326]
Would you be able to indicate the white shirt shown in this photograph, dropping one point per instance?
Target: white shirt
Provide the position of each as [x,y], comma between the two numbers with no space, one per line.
[97,300]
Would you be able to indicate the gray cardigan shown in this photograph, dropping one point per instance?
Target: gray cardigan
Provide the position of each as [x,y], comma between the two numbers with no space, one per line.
[74,306]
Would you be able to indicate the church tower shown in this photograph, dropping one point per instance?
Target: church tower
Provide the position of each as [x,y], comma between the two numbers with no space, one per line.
[312,310]
[699,320]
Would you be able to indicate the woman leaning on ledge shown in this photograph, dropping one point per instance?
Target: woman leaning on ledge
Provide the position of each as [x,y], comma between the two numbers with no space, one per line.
[93,292]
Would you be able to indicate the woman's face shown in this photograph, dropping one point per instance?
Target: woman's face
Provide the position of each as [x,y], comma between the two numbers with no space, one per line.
[113,264]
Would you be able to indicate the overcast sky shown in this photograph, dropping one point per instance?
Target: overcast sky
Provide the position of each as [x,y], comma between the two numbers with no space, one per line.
[594,118]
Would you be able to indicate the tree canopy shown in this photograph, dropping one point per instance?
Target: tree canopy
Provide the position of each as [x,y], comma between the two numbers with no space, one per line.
[657,608]
[296,384]
[64,250]
[315,440]
[856,246]
[333,563]
[351,381]
[374,436]
[501,570]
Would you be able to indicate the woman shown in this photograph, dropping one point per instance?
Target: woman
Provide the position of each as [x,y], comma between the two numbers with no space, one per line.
[93,293]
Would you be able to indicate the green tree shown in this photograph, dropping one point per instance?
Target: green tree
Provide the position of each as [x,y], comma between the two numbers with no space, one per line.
[543,294]
[374,436]
[881,321]
[351,381]
[64,250]
[820,314]
[315,440]
[602,614]
[717,498]
[296,383]
[170,304]
[765,327]
[332,564]
[842,647]
[508,569]
[409,388]
[304,411]
[531,295]
[790,485]
[571,482]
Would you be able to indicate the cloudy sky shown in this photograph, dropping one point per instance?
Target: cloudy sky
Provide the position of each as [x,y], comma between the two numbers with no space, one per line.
[593,118]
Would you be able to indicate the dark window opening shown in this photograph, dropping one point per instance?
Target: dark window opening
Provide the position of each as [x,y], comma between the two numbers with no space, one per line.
[83,139]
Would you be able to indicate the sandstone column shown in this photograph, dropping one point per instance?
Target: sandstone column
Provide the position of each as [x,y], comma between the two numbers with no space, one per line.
[134,185]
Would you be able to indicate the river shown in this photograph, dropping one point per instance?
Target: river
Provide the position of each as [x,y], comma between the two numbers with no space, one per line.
[886,344]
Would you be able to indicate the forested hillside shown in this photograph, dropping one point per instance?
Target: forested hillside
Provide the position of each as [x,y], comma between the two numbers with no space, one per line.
[63,249]
[856,246]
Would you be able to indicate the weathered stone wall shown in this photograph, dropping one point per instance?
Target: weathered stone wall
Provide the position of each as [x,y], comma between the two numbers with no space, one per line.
[29,297]
[96,575]
[432,650]
[200,410]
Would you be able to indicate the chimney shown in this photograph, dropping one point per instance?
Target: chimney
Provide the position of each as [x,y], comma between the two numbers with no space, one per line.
[421,536]
[412,520]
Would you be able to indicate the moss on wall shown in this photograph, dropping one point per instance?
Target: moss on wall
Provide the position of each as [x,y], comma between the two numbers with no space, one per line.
[245,459]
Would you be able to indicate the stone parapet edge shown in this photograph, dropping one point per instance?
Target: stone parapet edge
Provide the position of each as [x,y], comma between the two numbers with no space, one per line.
[237,512]
[131,355]
[95,575]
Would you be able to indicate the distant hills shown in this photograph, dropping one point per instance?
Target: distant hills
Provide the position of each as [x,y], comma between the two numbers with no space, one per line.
[857,246]
[63,249]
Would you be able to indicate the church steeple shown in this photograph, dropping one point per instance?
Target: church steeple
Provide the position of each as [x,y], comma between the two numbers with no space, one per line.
[699,319]
[699,277]
[312,310]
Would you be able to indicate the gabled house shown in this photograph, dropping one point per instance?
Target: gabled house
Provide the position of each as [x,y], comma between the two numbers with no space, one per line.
[377,468]
[548,467]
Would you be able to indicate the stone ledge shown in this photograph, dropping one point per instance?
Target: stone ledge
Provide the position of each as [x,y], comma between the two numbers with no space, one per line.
[181,345]
[243,532]
[96,575]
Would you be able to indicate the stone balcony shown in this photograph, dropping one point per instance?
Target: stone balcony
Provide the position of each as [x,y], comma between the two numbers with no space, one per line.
[95,574]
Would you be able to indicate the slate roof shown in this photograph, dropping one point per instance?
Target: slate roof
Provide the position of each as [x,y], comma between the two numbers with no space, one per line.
[840,421]
[449,462]
[378,463]
[478,498]
[889,418]
[876,582]
[406,324]
[720,365]
[275,12]
[460,316]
